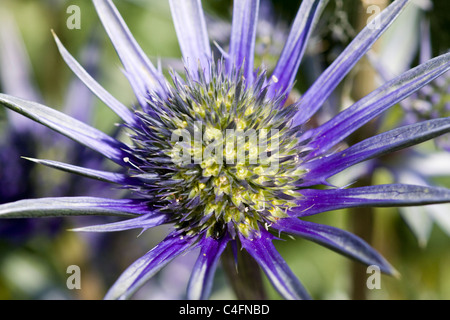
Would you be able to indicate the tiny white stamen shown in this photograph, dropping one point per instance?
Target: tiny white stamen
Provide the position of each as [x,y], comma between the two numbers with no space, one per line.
[127,160]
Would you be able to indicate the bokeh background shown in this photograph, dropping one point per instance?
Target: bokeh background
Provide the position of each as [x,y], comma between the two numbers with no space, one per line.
[34,260]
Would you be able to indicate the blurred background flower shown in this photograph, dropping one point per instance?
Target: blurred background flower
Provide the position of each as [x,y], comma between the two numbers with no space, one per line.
[22,179]
[418,165]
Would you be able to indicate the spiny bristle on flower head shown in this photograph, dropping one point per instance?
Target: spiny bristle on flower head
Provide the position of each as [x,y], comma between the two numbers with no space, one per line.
[219,155]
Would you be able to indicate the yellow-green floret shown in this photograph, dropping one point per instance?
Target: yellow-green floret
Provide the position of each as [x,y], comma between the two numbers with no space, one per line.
[218,156]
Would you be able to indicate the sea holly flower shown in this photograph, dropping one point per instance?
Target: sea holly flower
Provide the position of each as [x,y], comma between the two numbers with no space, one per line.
[23,179]
[430,102]
[23,137]
[218,155]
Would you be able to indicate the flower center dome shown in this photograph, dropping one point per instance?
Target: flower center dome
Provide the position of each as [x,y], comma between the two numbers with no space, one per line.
[218,155]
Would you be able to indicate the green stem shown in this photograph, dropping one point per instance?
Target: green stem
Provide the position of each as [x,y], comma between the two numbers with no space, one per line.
[245,277]
[362,219]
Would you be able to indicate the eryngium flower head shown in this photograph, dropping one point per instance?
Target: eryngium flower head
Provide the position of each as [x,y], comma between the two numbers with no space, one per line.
[186,170]
[216,156]
[18,136]
[431,101]
[413,165]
